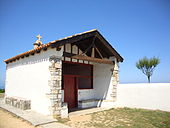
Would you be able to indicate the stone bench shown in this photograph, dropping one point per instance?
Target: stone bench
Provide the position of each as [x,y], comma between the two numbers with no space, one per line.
[18,102]
[88,103]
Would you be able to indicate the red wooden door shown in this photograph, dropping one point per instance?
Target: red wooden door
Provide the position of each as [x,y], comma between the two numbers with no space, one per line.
[70,91]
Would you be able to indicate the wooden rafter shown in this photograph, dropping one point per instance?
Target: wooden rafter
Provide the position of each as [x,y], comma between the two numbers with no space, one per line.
[98,52]
[91,46]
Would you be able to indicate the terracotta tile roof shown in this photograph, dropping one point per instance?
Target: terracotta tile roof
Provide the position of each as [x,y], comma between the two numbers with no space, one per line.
[44,46]
[60,42]
[27,53]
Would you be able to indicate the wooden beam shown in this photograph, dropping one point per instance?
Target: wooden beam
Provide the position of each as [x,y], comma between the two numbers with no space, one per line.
[93,52]
[86,58]
[64,51]
[71,48]
[91,46]
[92,59]
[98,52]
[83,53]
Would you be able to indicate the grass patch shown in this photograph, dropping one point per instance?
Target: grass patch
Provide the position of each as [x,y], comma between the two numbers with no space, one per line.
[2,90]
[130,118]
[121,118]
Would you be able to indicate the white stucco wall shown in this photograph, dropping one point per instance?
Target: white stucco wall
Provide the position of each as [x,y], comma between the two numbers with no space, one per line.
[28,78]
[102,81]
[149,96]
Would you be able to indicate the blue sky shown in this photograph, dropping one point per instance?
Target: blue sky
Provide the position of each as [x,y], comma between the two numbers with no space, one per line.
[135,28]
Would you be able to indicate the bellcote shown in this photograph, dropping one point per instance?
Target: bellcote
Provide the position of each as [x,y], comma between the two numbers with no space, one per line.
[38,42]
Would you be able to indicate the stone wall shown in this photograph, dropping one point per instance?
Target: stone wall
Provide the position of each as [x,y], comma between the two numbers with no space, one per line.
[115,81]
[18,102]
[55,85]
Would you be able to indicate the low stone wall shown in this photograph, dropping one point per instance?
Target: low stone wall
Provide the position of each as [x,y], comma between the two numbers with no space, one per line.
[18,102]
[96,103]
[88,103]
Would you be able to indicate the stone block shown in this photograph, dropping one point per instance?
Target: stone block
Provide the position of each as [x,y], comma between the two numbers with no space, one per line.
[58,65]
[58,82]
[64,110]
[60,104]
[19,103]
[14,102]
[54,78]
[52,69]
[7,101]
[53,103]
[58,88]
[57,112]
[60,91]
[60,73]
[58,78]
[53,97]
[54,92]
[54,73]
[59,96]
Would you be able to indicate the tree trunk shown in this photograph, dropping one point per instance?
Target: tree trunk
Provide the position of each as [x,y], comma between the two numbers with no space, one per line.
[149,79]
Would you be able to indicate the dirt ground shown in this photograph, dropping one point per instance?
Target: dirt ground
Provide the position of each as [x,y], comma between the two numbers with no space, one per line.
[79,121]
[7,120]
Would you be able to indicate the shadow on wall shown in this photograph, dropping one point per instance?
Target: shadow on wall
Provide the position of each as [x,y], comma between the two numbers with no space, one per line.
[102,81]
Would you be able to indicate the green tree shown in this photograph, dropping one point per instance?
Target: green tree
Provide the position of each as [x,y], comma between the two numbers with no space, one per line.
[147,66]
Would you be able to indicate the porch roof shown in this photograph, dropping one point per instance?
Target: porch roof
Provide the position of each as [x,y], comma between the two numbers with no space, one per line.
[102,43]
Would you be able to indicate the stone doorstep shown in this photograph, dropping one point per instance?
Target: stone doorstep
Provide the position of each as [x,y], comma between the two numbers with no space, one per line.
[86,111]
[89,100]
[91,103]
[95,100]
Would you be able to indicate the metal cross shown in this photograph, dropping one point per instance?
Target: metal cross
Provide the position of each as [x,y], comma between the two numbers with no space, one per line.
[39,37]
